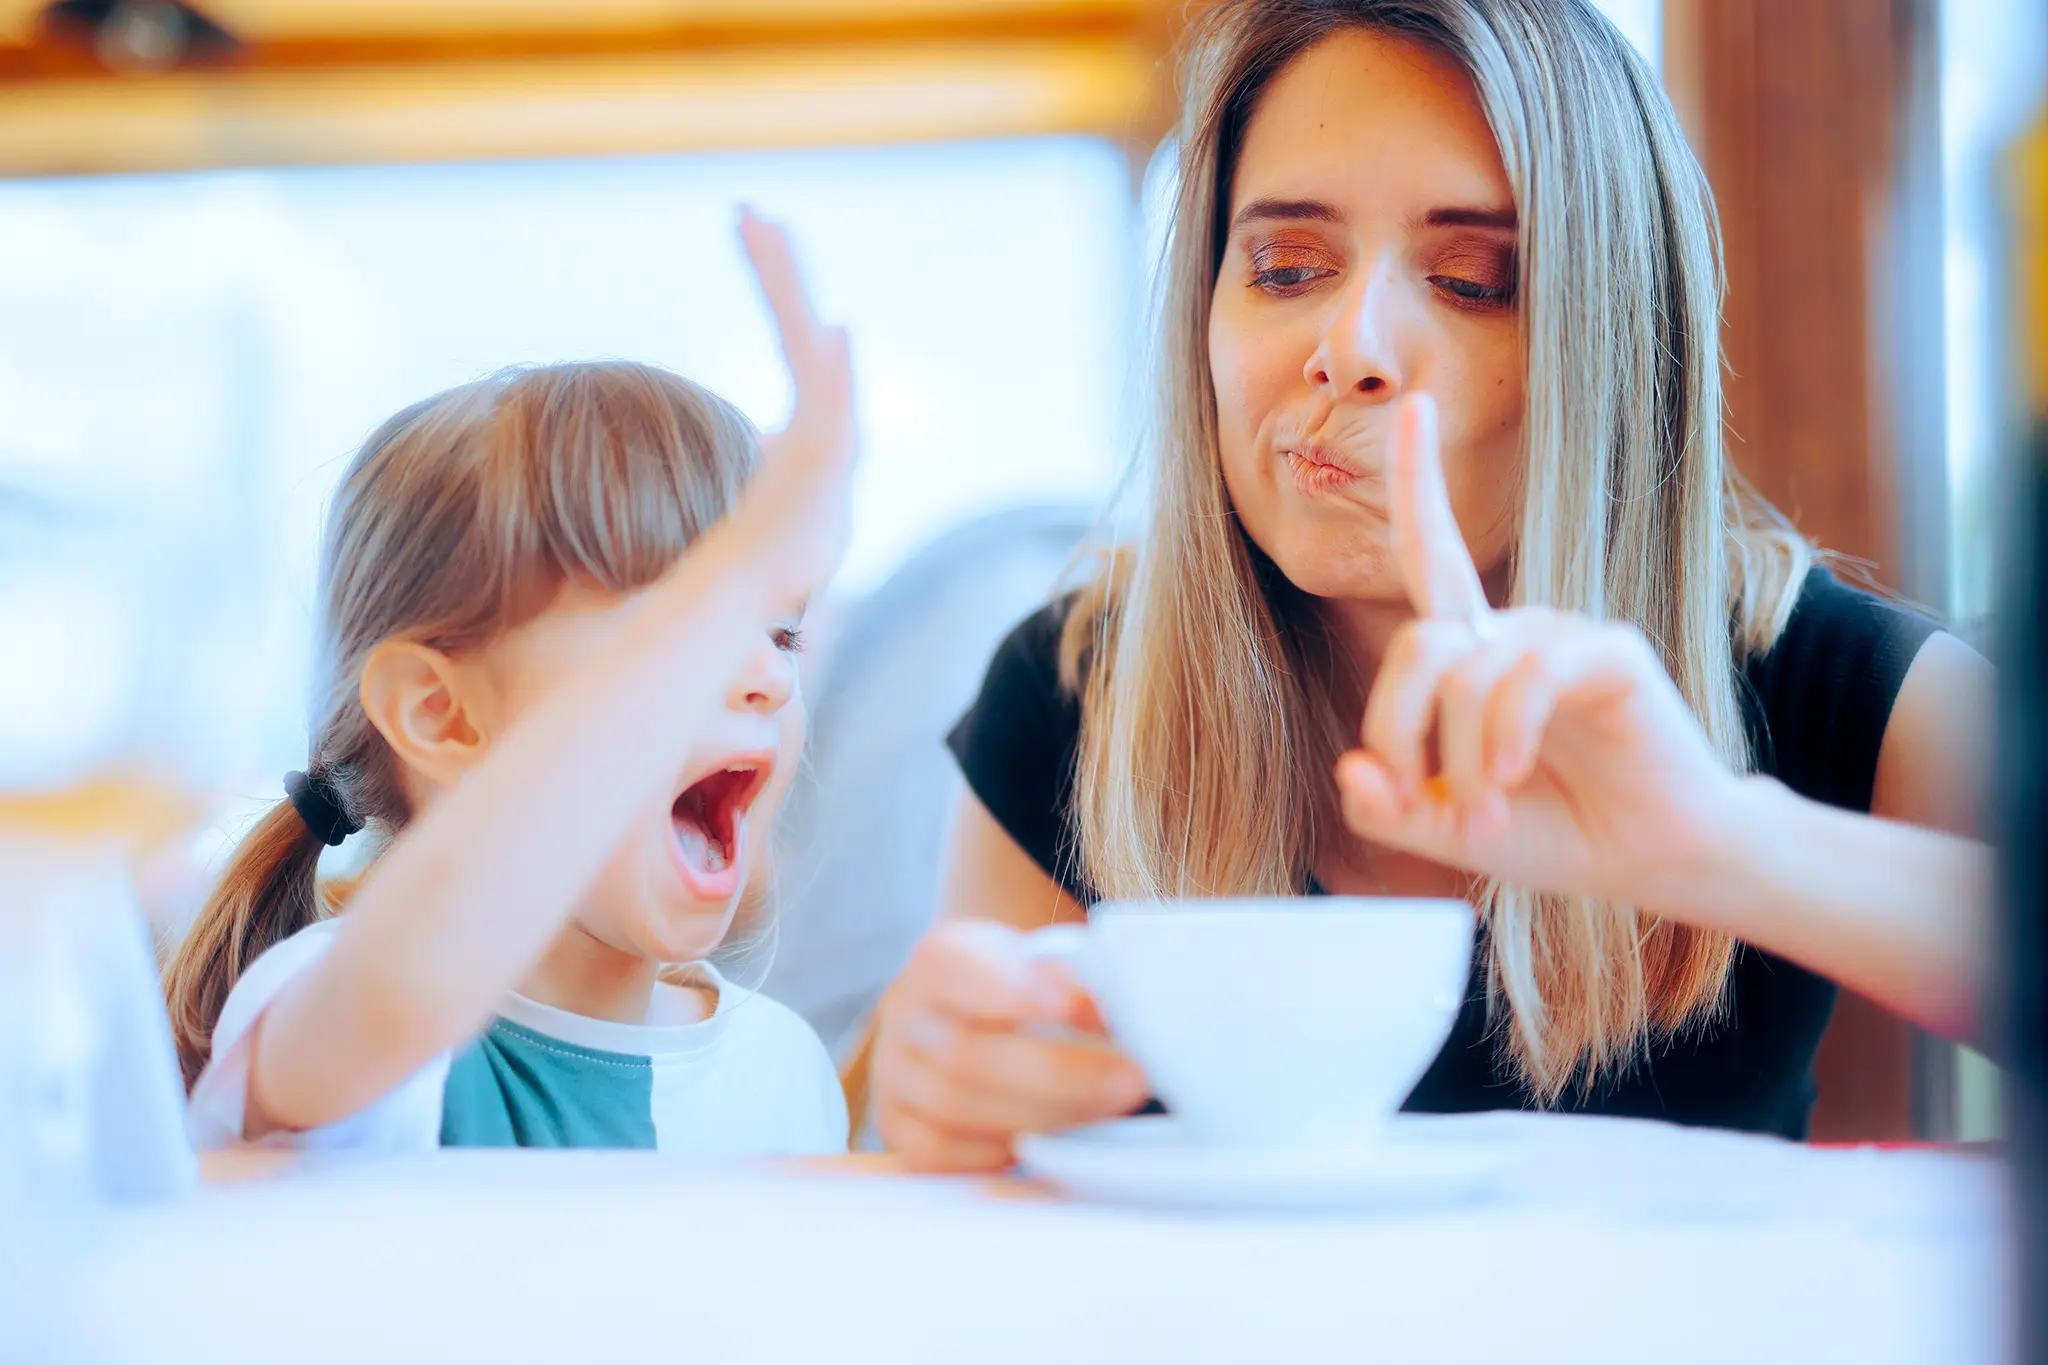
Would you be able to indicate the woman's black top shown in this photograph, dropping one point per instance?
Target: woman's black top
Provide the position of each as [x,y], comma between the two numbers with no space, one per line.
[1816,706]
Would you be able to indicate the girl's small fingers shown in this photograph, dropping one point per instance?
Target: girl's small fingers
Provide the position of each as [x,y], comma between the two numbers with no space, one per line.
[1403,704]
[815,455]
[835,364]
[824,404]
[773,259]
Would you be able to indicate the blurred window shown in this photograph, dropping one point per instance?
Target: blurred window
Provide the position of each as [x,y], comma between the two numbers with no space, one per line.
[1642,22]
[188,361]
[1994,77]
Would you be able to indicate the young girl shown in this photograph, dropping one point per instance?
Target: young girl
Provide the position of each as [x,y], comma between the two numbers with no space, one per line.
[559,642]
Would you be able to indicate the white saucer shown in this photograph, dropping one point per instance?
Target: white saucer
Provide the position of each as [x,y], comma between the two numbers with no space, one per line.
[1417,1160]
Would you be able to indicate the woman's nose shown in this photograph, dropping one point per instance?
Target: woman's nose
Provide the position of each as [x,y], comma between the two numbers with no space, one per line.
[1355,355]
[765,685]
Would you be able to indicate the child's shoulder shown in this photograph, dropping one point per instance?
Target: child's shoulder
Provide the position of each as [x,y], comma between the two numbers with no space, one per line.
[406,1119]
[770,1085]
[760,1020]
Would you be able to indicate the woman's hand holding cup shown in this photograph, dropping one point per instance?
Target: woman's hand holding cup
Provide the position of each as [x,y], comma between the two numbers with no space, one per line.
[981,1040]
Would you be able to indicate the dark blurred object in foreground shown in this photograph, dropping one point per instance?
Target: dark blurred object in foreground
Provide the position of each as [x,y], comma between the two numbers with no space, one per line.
[2023,779]
[2024,747]
[140,35]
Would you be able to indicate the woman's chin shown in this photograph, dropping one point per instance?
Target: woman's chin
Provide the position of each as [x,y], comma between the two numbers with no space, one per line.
[1350,573]
[1333,559]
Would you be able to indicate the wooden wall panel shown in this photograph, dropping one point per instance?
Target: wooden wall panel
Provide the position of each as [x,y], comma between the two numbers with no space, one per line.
[1797,143]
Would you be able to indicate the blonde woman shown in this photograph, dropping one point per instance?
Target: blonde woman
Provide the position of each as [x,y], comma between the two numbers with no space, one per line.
[1440,506]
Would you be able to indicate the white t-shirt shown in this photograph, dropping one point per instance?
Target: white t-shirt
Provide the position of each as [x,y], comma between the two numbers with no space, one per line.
[751,1079]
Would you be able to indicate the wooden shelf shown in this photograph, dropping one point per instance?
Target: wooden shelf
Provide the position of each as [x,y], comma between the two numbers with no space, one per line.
[352,81]
[299,21]
[575,106]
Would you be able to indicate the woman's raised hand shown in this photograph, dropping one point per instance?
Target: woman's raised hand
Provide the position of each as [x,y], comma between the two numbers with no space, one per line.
[794,516]
[1565,758]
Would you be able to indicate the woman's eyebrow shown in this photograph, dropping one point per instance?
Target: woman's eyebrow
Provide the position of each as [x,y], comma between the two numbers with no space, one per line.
[1287,210]
[1317,211]
[1462,216]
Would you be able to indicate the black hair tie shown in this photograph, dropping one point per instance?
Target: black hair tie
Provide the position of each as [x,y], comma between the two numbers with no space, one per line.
[319,805]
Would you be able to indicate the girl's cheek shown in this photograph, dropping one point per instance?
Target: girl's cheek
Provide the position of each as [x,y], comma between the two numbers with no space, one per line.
[794,725]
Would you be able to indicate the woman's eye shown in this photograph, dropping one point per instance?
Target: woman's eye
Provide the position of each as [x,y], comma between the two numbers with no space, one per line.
[1471,291]
[1287,279]
[788,639]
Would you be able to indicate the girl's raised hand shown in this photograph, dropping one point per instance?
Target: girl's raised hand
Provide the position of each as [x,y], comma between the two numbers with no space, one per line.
[793,519]
[1565,758]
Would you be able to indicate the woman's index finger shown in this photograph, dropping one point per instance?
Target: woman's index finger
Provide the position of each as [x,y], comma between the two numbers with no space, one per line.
[1429,549]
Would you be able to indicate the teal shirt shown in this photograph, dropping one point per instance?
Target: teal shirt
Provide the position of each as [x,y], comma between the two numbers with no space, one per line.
[515,1087]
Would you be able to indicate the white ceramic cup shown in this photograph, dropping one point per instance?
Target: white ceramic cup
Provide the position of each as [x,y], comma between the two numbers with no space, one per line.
[1298,1020]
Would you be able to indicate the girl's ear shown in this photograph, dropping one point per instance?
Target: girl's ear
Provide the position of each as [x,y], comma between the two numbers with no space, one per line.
[417,698]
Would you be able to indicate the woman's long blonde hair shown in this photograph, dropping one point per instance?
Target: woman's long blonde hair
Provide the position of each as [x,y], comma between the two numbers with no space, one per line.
[1210,724]
[461,518]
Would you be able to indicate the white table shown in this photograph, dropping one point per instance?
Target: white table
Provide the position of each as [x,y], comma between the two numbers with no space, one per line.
[1615,1241]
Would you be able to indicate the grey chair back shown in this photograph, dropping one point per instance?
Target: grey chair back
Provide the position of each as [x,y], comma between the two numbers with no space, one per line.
[862,832]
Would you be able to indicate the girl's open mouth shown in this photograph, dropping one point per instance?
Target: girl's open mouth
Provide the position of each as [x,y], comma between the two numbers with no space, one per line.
[708,825]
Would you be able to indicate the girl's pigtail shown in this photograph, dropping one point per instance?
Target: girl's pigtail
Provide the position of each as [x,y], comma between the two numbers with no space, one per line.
[267,894]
